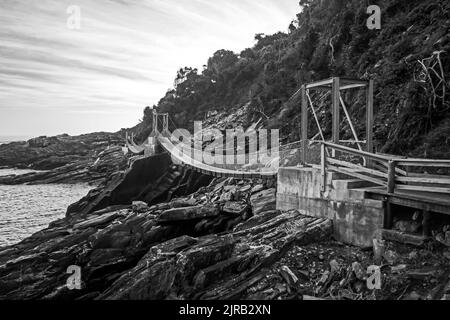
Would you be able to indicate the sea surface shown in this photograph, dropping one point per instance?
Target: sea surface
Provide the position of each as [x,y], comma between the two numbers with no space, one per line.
[8,139]
[25,209]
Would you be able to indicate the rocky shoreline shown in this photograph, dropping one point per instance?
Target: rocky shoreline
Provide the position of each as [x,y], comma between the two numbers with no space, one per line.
[154,230]
[64,159]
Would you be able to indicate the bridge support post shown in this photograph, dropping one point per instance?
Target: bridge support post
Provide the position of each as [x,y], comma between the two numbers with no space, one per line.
[154,124]
[369,119]
[165,125]
[323,157]
[335,97]
[389,217]
[391,177]
[426,224]
[304,128]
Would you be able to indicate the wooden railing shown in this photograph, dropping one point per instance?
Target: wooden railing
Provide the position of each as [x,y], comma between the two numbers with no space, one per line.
[383,170]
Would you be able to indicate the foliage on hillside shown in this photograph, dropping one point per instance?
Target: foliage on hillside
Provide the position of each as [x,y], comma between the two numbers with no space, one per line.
[407,58]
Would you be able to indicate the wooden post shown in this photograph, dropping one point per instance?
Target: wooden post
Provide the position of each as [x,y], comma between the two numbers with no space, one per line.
[335,98]
[391,177]
[304,127]
[388,224]
[155,124]
[323,157]
[426,224]
[369,119]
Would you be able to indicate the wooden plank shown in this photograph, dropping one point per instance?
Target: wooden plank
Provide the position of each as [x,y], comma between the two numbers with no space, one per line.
[323,158]
[422,188]
[392,235]
[357,167]
[389,222]
[410,200]
[391,177]
[357,152]
[335,99]
[304,126]
[427,175]
[369,116]
[423,180]
[352,128]
[426,224]
[357,175]
[346,80]
[319,83]
[424,163]
[397,169]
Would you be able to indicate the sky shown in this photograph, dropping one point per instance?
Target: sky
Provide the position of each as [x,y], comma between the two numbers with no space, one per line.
[57,78]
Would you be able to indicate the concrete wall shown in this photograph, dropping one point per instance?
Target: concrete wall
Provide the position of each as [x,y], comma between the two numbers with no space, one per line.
[356,220]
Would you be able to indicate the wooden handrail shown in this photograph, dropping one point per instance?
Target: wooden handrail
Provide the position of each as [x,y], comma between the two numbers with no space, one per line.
[394,180]
[401,160]
[356,152]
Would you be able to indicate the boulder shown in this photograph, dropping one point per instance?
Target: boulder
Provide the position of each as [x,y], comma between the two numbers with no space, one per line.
[188,213]
[263,201]
[139,206]
[235,208]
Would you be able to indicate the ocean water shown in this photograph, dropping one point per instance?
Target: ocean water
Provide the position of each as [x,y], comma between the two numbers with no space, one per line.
[25,209]
[8,139]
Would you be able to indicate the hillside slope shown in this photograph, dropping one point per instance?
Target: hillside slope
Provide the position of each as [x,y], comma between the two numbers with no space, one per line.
[407,58]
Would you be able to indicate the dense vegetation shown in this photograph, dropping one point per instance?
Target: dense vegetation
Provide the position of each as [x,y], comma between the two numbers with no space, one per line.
[408,59]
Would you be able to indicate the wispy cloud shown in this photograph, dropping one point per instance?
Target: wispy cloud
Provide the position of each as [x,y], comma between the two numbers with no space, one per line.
[123,58]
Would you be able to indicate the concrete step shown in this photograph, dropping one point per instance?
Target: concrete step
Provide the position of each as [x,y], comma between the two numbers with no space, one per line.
[352,184]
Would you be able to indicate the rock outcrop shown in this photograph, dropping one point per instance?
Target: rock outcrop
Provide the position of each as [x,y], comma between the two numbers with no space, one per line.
[64,159]
[150,234]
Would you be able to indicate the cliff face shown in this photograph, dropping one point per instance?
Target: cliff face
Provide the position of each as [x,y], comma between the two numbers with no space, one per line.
[408,59]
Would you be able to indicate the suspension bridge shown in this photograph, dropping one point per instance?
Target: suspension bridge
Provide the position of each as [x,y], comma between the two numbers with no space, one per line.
[343,179]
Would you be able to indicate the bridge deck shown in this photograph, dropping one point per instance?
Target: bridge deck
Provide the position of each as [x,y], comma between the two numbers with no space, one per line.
[211,170]
[429,201]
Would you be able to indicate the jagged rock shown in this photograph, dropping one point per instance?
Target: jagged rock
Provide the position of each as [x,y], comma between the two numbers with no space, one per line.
[182,203]
[83,159]
[189,213]
[139,206]
[257,188]
[263,201]
[407,226]
[287,274]
[235,208]
[359,271]
[98,221]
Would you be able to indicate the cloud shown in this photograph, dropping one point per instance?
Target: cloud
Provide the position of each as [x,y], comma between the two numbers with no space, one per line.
[124,57]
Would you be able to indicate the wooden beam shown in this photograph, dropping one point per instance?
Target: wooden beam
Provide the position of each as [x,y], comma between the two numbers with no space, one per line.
[369,116]
[426,228]
[323,157]
[352,86]
[347,115]
[352,173]
[423,180]
[378,157]
[422,188]
[391,177]
[424,163]
[411,201]
[358,168]
[389,218]
[320,83]
[335,97]
[304,126]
